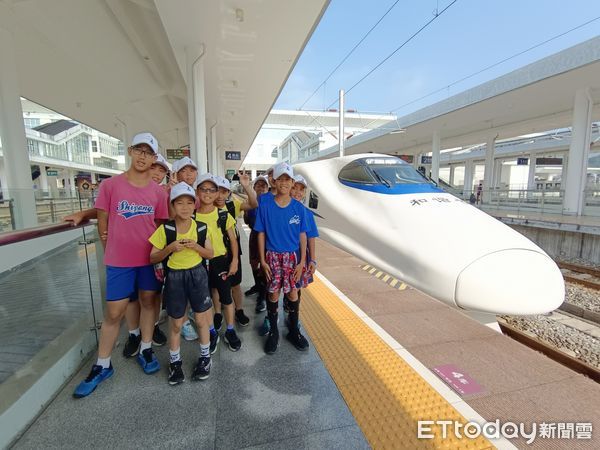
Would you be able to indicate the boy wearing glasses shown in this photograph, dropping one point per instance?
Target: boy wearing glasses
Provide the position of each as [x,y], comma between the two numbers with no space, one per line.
[223,265]
[130,205]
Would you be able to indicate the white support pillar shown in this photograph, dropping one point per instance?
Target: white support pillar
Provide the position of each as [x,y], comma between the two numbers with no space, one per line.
[253,174]
[435,157]
[578,154]
[531,185]
[43,180]
[212,162]
[196,106]
[126,137]
[14,145]
[488,177]
[468,184]
[72,183]
[451,176]
[417,161]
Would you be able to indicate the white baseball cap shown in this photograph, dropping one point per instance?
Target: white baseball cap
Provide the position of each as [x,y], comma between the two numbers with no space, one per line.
[282,168]
[260,178]
[181,163]
[223,182]
[145,138]
[205,177]
[300,179]
[161,161]
[181,189]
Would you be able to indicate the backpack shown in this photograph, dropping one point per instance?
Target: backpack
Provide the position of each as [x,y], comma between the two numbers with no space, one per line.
[171,235]
[222,223]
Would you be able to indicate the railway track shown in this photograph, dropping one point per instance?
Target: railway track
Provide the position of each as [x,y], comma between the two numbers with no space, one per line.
[533,342]
[580,274]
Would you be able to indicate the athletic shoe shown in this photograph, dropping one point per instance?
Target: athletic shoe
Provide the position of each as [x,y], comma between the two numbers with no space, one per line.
[265,327]
[218,321]
[97,375]
[241,318]
[147,361]
[188,332]
[176,375]
[202,369]
[297,340]
[214,340]
[272,343]
[158,337]
[261,305]
[232,340]
[132,346]
[253,290]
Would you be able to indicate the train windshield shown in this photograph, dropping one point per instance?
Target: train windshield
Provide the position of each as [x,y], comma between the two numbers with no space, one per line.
[388,171]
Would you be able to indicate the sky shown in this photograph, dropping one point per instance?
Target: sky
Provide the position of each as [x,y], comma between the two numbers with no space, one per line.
[468,37]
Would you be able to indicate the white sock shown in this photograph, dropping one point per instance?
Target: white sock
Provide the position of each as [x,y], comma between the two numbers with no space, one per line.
[135,332]
[205,350]
[145,345]
[104,362]
[174,355]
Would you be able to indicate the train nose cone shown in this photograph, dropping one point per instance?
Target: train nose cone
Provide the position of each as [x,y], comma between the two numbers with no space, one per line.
[514,281]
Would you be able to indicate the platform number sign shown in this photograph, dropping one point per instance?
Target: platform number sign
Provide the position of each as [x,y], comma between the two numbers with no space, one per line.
[457,379]
[233,156]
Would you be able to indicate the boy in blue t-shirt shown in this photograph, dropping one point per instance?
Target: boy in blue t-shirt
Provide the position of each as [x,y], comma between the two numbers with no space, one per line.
[283,220]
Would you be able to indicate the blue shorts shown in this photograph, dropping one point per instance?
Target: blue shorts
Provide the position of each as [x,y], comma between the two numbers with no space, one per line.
[124,282]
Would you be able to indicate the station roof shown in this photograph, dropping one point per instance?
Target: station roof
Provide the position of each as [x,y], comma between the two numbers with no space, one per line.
[534,98]
[114,62]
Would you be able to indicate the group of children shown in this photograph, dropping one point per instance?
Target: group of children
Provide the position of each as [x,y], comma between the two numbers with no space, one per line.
[177,240]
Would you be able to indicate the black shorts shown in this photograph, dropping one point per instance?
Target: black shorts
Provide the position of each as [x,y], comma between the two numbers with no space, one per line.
[217,269]
[236,279]
[187,285]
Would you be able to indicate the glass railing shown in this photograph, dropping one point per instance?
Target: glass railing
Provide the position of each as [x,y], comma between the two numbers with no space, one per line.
[591,202]
[50,207]
[51,280]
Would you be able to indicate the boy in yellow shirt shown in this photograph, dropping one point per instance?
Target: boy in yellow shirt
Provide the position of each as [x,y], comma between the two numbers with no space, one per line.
[225,263]
[183,243]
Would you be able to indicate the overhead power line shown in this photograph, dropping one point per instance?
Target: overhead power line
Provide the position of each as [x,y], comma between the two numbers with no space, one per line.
[490,66]
[415,34]
[348,54]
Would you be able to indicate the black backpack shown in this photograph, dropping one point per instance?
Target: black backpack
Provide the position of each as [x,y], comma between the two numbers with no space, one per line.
[171,234]
[222,224]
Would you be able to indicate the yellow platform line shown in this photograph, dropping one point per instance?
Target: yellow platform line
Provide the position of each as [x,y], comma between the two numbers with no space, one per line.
[384,393]
[373,269]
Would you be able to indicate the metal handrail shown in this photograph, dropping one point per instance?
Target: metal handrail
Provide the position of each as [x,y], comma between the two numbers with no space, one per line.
[12,237]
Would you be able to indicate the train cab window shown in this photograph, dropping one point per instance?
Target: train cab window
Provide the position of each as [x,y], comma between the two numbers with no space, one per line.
[356,172]
[313,200]
[388,171]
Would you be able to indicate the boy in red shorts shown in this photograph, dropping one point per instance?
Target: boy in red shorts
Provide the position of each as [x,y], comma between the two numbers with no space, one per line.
[283,220]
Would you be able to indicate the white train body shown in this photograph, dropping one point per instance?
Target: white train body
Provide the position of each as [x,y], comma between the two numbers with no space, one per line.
[399,222]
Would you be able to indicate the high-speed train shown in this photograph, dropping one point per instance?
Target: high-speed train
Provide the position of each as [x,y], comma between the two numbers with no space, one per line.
[380,209]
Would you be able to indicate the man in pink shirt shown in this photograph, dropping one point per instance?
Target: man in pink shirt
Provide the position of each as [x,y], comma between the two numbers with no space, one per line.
[128,206]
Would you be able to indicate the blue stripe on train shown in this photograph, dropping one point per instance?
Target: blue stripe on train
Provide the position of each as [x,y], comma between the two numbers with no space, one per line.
[397,189]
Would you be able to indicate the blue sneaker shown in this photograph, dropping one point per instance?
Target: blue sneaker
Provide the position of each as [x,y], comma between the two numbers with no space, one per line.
[265,327]
[188,332]
[148,361]
[97,375]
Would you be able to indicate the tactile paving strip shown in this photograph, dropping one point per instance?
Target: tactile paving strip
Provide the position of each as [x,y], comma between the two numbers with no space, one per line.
[386,396]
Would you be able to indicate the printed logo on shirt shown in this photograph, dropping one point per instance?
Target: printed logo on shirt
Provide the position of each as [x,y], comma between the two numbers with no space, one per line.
[295,220]
[128,210]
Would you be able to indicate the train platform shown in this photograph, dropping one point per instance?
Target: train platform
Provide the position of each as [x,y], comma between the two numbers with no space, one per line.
[581,224]
[368,378]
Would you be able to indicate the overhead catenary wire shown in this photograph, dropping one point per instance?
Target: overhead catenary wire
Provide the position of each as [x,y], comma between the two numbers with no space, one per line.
[488,67]
[348,54]
[383,61]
